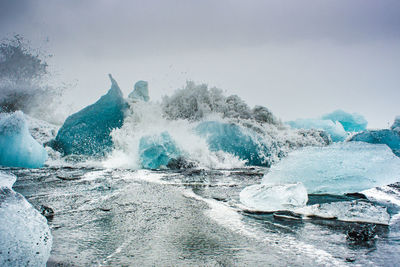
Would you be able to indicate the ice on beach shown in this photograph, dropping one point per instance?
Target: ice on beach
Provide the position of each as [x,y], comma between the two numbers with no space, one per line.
[236,140]
[156,151]
[274,197]
[25,238]
[352,122]
[334,129]
[349,211]
[87,132]
[391,138]
[17,146]
[337,169]
[140,91]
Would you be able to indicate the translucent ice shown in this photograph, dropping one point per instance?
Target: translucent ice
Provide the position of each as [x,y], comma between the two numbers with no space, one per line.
[140,91]
[236,140]
[334,129]
[274,197]
[389,137]
[338,168]
[25,238]
[87,132]
[352,122]
[17,146]
[349,211]
[157,150]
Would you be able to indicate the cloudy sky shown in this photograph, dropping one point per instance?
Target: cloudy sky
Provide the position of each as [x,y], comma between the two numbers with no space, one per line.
[299,58]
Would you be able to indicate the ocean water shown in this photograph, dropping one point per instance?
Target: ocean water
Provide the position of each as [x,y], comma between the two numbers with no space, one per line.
[193,217]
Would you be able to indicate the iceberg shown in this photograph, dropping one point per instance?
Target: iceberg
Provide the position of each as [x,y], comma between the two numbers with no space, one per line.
[157,151]
[87,132]
[25,238]
[334,129]
[396,125]
[352,122]
[337,169]
[140,91]
[274,197]
[17,146]
[391,138]
[348,211]
[236,140]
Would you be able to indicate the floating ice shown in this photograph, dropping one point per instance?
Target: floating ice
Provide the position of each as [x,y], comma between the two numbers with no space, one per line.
[87,132]
[338,168]
[25,238]
[156,151]
[396,124]
[17,146]
[334,129]
[236,140]
[274,197]
[140,92]
[349,211]
[352,122]
[389,137]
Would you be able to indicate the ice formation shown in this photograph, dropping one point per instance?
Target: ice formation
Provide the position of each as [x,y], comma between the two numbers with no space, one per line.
[352,122]
[338,168]
[334,129]
[349,211]
[140,91]
[274,197]
[236,140]
[389,137]
[396,124]
[87,132]
[156,151]
[17,146]
[25,238]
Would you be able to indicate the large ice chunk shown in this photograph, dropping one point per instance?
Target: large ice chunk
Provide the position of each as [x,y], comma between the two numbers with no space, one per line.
[274,197]
[140,91]
[25,238]
[156,151]
[17,146]
[87,132]
[338,168]
[389,137]
[236,140]
[352,122]
[334,129]
[349,211]
[396,124]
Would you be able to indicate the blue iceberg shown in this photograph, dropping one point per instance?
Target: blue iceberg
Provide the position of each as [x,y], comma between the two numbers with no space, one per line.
[156,151]
[17,146]
[396,124]
[87,132]
[337,169]
[140,91]
[236,140]
[352,122]
[334,129]
[389,137]
[25,238]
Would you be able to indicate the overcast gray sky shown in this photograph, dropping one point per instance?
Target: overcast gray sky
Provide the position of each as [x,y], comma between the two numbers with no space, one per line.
[298,58]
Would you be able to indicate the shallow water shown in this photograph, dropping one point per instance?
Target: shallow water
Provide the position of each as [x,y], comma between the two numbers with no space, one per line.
[193,217]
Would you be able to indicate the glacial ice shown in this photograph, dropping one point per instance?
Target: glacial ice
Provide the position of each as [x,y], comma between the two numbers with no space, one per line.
[389,137]
[337,169]
[274,197]
[352,122]
[157,151]
[87,132]
[236,140]
[17,146]
[334,129]
[25,238]
[349,211]
[396,125]
[140,91]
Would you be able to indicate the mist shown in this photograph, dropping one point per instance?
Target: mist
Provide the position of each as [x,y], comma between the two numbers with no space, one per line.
[300,59]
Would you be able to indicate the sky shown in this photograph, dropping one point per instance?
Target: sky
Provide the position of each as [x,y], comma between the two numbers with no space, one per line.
[301,59]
